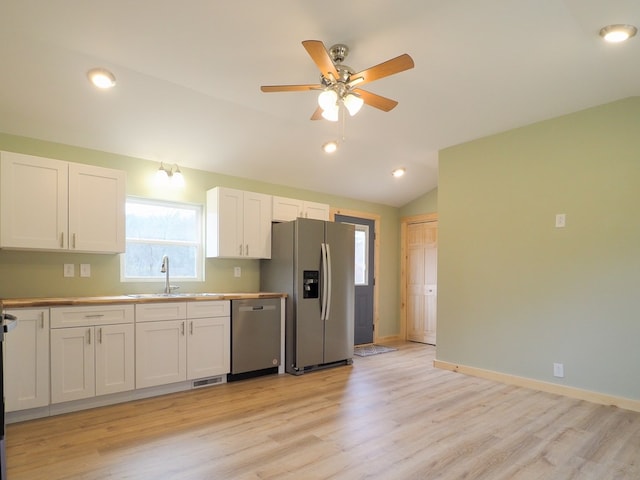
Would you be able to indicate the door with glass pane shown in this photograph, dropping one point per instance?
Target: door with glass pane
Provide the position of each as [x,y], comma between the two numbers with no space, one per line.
[364,276]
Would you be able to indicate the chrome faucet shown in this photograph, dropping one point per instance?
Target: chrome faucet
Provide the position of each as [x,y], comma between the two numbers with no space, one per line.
[165,269]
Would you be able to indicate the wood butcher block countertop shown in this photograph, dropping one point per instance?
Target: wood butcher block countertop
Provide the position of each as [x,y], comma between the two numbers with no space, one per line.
[133,298]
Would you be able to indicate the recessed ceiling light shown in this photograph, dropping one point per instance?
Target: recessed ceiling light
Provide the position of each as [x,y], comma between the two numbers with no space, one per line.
[618,33]
[398,172]
[101,78]
[330,147]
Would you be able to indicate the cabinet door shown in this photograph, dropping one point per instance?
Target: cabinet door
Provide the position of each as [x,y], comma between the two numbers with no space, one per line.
[96,209]
[224,222]
[26,360]
[208,350]
[72,364]
[257,225]
[160,353]
[33,202]
[317,211]
[286,209]
[238,224]
[114,358]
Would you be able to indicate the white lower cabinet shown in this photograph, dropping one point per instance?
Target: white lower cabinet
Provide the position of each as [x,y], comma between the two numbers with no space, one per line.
[95,358]
[160,352]
[26,360]
[191,342]
[115,358]
[209,339]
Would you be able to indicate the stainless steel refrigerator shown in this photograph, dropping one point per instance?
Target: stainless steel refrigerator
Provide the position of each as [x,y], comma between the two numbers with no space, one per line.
[313,262]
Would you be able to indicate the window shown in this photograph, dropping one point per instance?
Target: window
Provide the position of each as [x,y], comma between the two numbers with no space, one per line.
[157,228]
[362,255]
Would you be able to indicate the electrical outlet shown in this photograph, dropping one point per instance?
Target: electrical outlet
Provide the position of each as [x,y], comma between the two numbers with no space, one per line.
[558,370]
[69,270]
[561,220]
[237,272]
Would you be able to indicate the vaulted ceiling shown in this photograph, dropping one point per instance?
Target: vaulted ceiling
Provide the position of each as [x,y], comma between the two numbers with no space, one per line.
[189,76]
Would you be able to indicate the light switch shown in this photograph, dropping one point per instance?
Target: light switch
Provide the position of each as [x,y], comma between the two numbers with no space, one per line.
[561,220]
[85,269]
[237,272]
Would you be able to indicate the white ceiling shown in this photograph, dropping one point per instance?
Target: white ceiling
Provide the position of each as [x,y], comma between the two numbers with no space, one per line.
[189,73]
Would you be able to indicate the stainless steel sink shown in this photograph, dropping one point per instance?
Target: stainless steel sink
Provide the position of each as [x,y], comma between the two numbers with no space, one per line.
[174,295]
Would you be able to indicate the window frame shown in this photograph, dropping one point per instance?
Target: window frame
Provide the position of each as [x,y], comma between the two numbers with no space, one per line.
[199,243]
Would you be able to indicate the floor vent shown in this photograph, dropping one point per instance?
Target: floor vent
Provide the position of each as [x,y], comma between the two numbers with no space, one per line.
[207,381]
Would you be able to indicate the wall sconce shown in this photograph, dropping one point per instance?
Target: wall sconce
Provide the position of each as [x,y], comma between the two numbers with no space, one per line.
[169,176]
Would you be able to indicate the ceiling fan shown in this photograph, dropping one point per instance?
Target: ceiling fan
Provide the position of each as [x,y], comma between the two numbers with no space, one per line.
[340,84]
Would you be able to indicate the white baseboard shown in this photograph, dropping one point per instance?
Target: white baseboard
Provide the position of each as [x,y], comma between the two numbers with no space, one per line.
[573,392]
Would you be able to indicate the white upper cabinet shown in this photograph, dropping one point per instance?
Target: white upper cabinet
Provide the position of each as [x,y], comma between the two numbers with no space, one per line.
[287,209]
[48,204]
[238,224]
[33,202]
[97,200]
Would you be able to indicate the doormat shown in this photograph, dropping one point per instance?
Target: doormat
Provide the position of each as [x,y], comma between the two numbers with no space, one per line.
[368,350]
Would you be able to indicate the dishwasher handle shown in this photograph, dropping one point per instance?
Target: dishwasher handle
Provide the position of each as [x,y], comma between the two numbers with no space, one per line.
[256,308]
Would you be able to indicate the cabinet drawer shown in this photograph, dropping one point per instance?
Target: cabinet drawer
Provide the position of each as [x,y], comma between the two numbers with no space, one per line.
[217,308]
[152,312]
[82,316]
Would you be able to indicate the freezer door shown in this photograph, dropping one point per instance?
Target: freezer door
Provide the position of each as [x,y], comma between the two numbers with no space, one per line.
[308,326]
[339,327]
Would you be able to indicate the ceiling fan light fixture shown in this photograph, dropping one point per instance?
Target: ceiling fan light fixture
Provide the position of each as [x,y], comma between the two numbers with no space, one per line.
[101,78]
[332,114]
[327,99]
[353,103]
[618,33]
[330,147]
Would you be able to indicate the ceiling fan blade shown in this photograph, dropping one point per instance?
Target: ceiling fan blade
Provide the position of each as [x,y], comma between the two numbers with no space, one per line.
[319,54]
[290,88]
[317,115]
[377,101]
[384,69]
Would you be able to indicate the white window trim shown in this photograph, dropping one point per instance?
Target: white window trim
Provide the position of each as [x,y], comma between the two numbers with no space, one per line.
[200,257]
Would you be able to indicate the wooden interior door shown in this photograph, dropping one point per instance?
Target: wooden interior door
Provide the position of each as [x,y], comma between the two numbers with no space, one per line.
[422,280]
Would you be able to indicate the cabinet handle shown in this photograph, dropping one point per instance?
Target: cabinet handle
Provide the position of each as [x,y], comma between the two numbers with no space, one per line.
[42,320]
[96,315]
[246,249]
[182,328]
[74,240]
[89,336]
[61,239]
[191,328]
[100,335]
[240,249]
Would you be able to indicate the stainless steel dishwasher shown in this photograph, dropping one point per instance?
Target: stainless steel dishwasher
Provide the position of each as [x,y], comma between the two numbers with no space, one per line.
[255,337]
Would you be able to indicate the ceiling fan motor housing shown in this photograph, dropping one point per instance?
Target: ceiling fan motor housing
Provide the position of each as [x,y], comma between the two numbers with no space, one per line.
[339,52]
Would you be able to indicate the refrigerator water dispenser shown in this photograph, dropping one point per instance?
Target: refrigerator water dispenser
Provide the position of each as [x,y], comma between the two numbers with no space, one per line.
[310,280]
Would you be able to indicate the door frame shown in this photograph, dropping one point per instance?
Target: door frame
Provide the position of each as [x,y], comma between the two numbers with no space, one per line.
[376,254]
[404,223]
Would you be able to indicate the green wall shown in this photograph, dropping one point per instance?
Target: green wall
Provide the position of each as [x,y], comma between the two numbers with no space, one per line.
[427,203]
[517,294]
[39,274]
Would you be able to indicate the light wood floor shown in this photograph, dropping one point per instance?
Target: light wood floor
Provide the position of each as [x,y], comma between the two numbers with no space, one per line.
[390,416]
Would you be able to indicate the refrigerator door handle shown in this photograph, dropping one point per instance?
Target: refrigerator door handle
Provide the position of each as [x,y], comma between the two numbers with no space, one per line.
[327,309]
[323,307]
